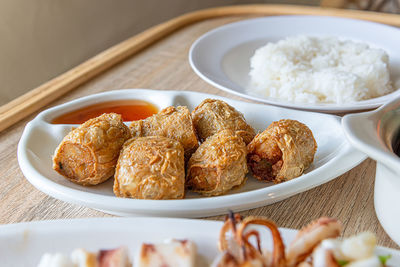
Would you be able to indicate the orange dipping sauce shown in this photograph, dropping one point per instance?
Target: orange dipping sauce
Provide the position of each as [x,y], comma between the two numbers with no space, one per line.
[130,110]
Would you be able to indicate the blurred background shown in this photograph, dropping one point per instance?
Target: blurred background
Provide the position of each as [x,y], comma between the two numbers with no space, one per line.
[41,39]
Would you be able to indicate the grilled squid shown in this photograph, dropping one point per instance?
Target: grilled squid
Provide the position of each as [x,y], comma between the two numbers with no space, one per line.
[238,251]
[282,152]
[172,253]
[309,238]
[355,251]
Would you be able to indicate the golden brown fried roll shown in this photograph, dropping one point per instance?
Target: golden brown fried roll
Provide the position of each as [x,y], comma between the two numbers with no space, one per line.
[282,152]
[212,116]
[89,153]
[175,123]
[150,168]
[218,164]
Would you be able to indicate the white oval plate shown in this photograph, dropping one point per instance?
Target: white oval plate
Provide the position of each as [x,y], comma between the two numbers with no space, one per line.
[23,244]
[40,138]
[221,57]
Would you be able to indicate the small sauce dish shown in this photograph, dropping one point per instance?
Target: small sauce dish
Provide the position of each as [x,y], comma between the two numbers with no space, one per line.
[377,133]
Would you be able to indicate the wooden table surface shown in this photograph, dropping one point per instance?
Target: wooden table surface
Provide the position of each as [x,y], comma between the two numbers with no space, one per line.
[162,66]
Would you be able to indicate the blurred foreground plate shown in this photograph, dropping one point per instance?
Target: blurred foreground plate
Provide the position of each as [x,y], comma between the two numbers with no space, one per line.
[23,244]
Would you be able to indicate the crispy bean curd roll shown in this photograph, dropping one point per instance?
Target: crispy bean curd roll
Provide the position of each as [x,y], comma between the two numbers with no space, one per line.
[150,168]
[175,123]
[282,152]
[218,164]
[88,154]
[212,116]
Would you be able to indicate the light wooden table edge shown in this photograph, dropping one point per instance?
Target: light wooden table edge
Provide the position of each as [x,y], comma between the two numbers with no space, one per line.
[44,94]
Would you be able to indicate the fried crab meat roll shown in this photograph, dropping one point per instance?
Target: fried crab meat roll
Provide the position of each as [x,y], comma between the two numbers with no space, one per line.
[88,154]
[218,164]
[150,168]
[212,116]
[175,123]
[282,152]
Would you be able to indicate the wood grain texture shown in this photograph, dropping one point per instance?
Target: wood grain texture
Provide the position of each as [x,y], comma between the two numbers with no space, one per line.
[165,66]
[30,102]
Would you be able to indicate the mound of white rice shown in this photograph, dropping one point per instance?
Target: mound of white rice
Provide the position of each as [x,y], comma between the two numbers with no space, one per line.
[319,70]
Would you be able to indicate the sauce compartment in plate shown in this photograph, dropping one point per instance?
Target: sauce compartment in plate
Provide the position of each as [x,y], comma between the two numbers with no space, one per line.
[118,101]
[130,110]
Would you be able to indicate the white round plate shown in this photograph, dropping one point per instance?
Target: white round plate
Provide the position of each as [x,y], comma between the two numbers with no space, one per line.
[40,139]
[23,244]
[221,57]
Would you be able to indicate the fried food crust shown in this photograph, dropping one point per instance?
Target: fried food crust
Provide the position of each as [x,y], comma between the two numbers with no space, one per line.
[282,152]
[213,115]
[88,154]
[175,123]
[218,164]
[150,168]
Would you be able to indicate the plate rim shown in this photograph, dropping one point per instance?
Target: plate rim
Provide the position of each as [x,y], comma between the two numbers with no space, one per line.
[321,107]
[182,207]
[365,142]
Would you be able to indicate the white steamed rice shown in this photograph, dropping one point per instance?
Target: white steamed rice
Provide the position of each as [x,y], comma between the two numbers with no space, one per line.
[319,70]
